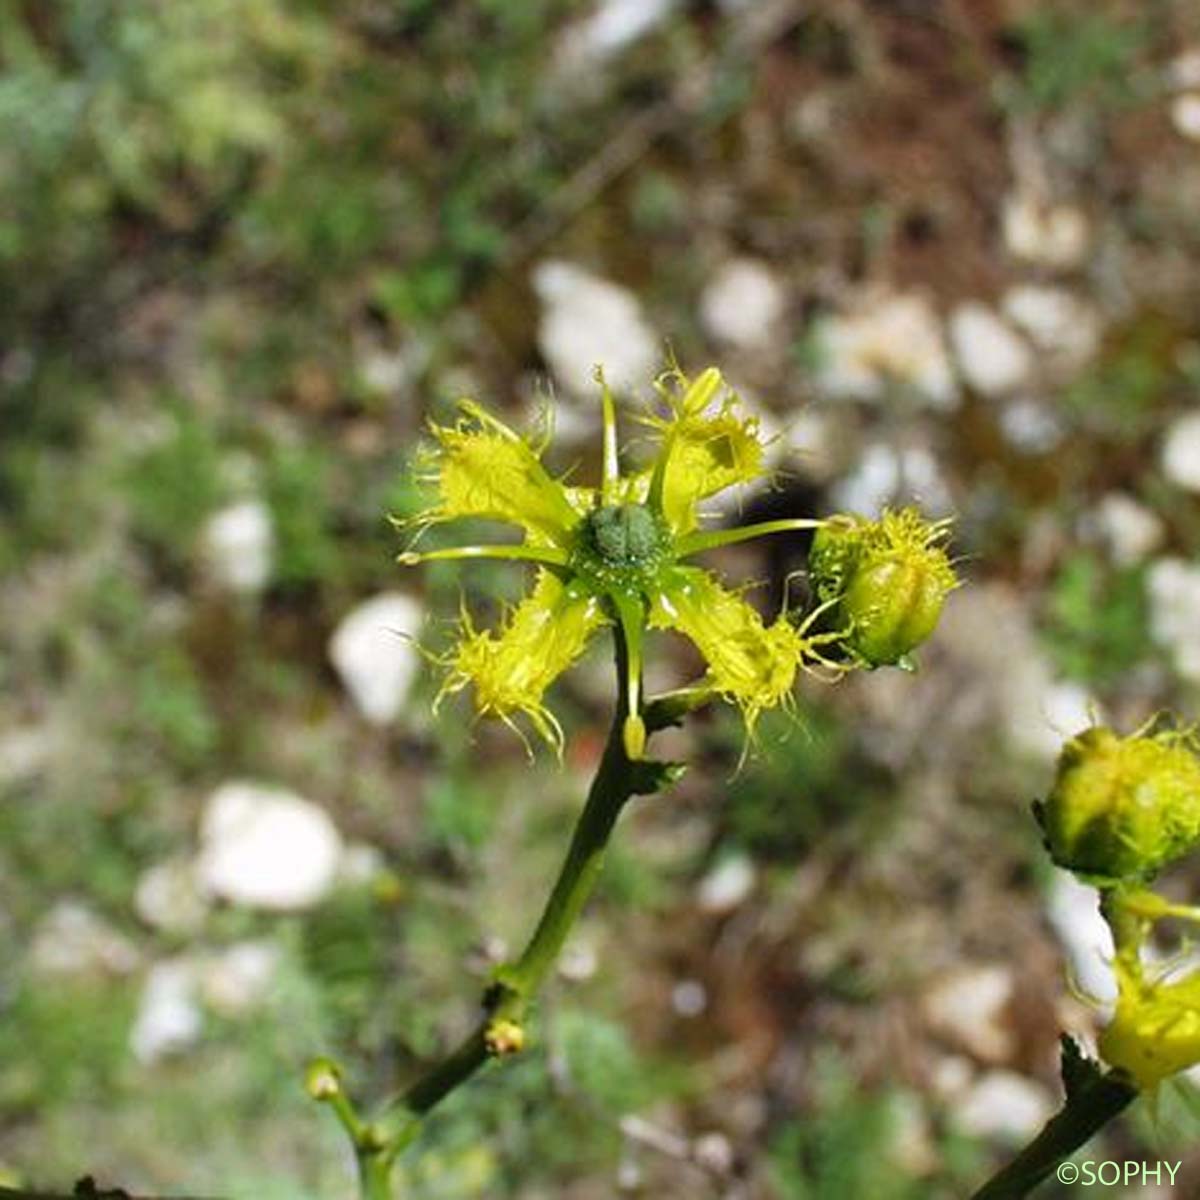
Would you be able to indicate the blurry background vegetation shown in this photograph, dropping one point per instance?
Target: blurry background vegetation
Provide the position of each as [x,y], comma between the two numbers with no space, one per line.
[246,247]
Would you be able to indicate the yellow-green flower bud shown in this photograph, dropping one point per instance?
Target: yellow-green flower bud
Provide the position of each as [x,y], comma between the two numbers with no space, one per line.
[885,582]
[323,1079]
[503,1037]
[1122,808]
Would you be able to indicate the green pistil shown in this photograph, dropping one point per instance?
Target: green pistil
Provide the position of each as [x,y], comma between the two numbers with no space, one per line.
[622,546]
[625,535]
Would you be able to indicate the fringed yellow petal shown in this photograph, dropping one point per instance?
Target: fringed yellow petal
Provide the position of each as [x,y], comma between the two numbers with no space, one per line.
[540,639]
[481,468]
[1156,1029]
[703,451]
[750,663]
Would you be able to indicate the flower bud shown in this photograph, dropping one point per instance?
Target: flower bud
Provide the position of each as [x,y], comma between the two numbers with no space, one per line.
[323,1079]
[885,582]
[1122,808]
[503,1037]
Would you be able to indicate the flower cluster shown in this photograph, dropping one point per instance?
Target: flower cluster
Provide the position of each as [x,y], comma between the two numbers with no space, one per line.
[1121,809]
[622,554]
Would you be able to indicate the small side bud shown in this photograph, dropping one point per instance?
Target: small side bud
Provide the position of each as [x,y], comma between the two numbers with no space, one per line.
[323,1079]
[885,583]
[1122,807]
[504,1037]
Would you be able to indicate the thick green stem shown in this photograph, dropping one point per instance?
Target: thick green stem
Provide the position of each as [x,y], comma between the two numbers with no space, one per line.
[613,786]
[617,780]
[1086,1110]
[374,1175]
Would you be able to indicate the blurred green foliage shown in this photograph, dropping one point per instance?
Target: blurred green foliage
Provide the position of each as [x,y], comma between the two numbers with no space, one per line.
[61,1044]
[809,782]
[1097,619]
[1121,395]
[1076,55]
[853,1146]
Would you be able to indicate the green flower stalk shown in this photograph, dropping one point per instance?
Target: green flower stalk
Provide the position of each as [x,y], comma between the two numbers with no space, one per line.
[618,554]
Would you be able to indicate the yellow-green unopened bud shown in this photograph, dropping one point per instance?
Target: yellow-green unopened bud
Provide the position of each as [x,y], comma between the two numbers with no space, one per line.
[323,1079]
[1122,808]
[504,1037]
[885,582]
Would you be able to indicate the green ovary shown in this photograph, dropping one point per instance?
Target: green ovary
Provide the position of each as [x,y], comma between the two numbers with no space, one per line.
[625,535]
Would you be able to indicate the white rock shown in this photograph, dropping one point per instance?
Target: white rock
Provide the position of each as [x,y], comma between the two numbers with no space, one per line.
[588,322]
[743,304]
[236,979]
[168,897]
[579,960]
[967,1007]
[713,1152]
[689,998]
[1058,322]
[1173,587]
[950,1076]
[987,632]
[71,938]
[169,1019]
[885,341]
[1073,910]
[727,884]
[885,475]
[809,442]
[1041,712]
[390,370]
[238,546]
[610,28]
[1030,425]
[1052,235]
[374,655]
[1184,70]
[993,359]
[360,864]
[1005,1106]
[1185,115]
[1181,452]
[1130,530]
[266,848]
[25,752]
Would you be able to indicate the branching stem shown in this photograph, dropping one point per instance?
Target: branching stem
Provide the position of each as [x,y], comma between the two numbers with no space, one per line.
[507,1003]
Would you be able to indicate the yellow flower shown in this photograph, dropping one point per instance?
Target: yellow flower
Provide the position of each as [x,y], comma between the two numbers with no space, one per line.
[1155,1031]
[618,554]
